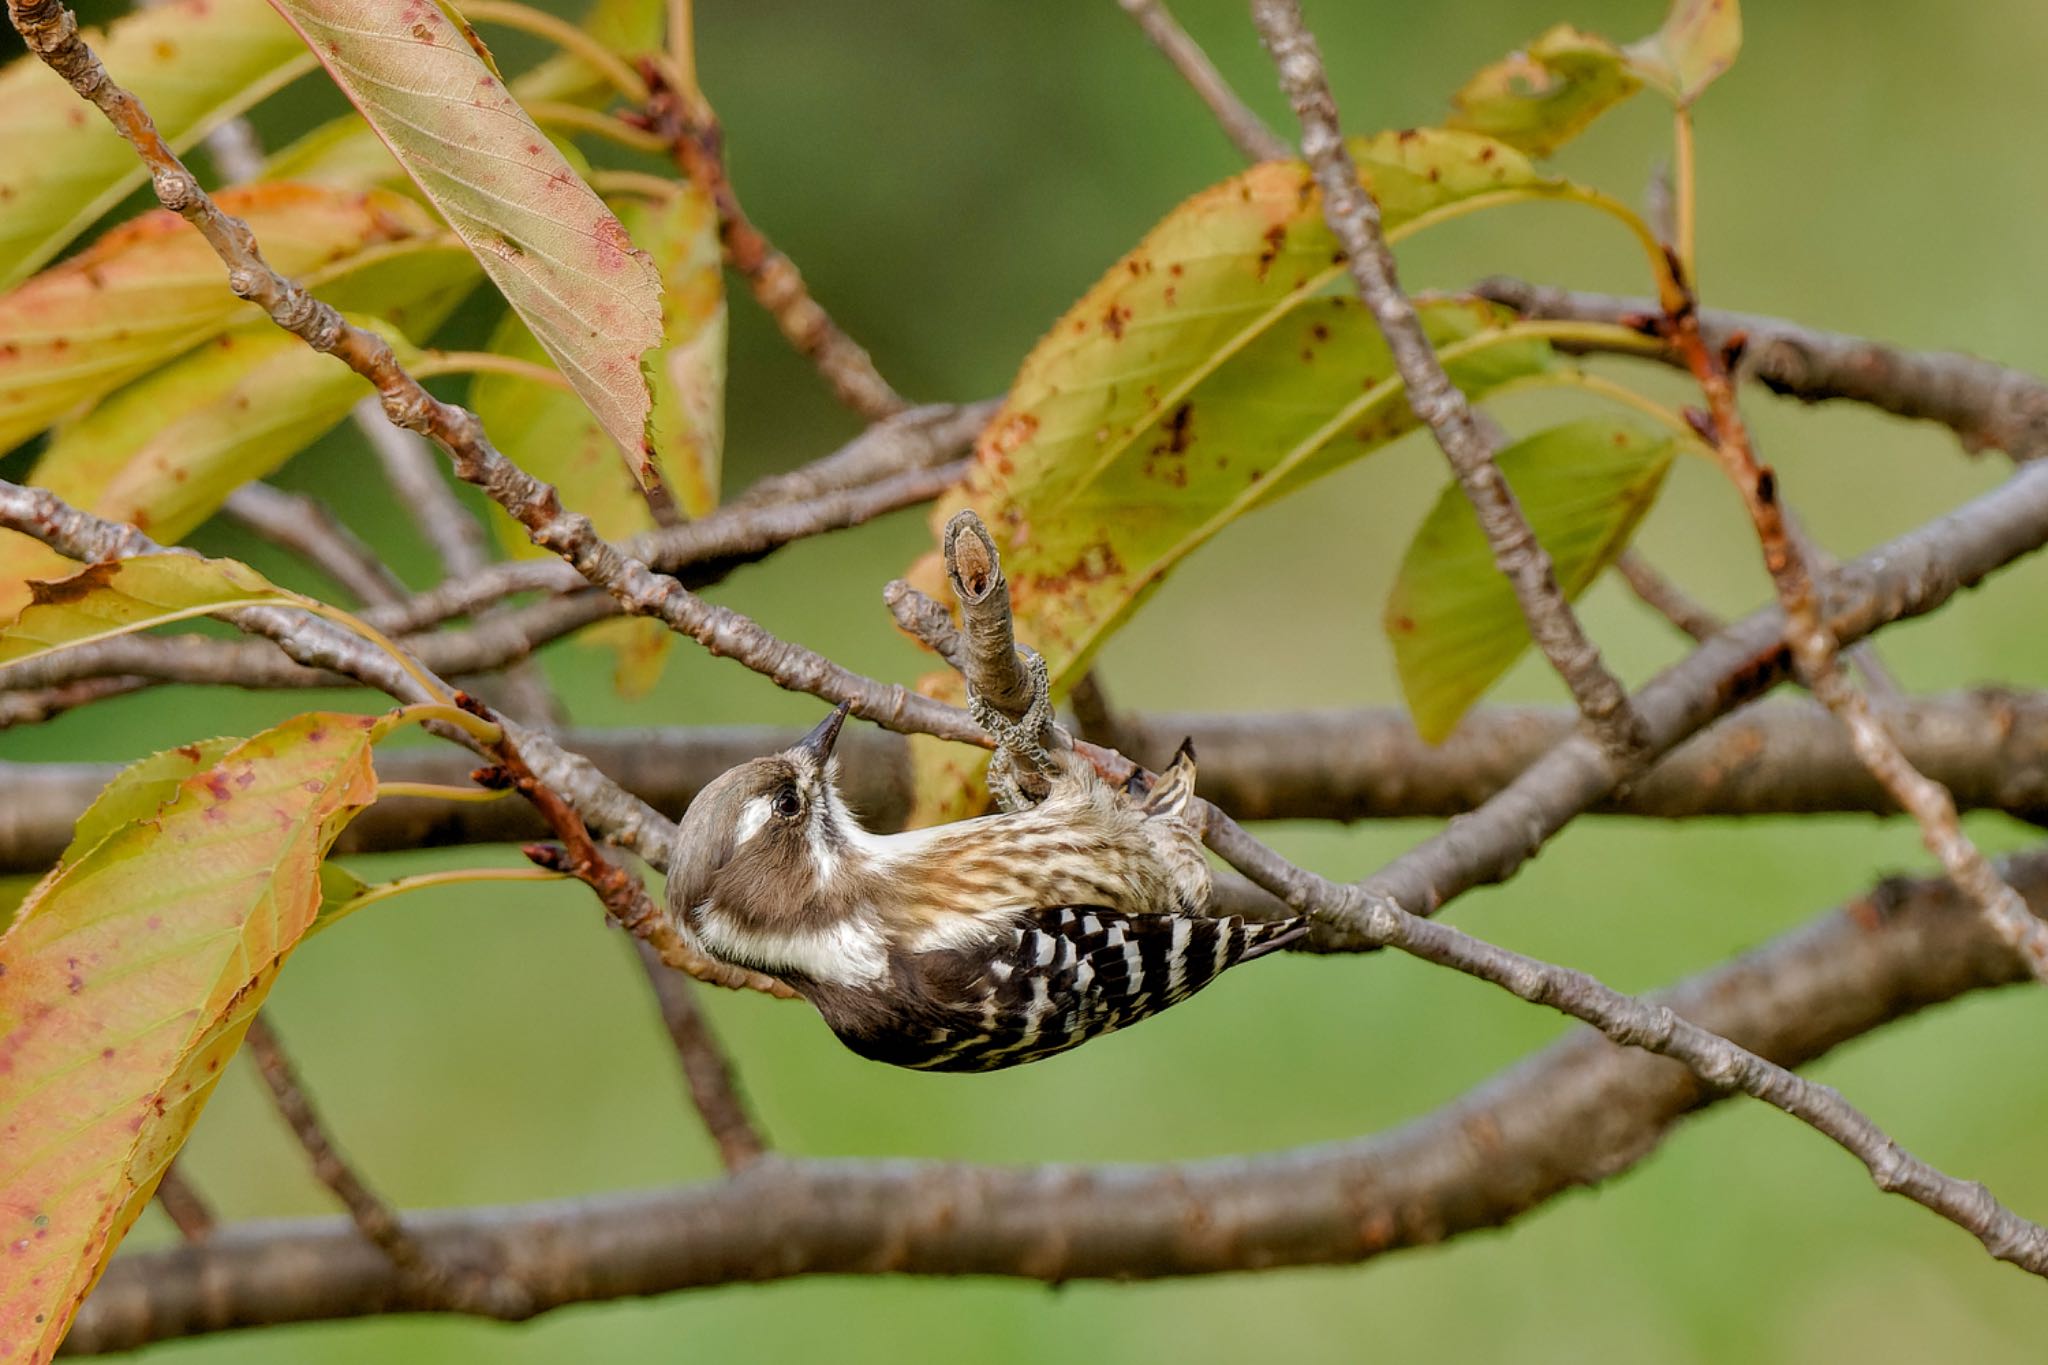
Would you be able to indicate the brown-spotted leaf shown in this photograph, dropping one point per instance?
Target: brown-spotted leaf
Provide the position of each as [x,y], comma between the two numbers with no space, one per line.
[130,976]
[564,263]
[192,63]
[152,288]
[138,791]
[1543,96]
[119,596]
[1453,618]
[1697,44]
[1209,371]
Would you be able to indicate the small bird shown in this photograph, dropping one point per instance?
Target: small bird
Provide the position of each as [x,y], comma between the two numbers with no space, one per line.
[965,947]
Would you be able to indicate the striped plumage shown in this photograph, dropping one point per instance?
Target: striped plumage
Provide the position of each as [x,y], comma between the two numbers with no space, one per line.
[971,946]
[1050,981]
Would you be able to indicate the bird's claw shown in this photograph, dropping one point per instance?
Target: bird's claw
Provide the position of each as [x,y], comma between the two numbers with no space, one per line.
[1020,748]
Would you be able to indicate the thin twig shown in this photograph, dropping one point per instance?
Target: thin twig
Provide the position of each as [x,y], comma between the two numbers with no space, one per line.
[1244,128]
[187,1208]
[454,1287]
[1666,598]
[1815,646]
[692,136]
[706,1070]
[1354,219]
[306,528]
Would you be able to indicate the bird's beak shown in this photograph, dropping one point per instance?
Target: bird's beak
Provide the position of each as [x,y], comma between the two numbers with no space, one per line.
[818,743]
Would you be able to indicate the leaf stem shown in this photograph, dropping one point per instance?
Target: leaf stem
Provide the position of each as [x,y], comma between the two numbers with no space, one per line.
[434,363]
[565,35]
[558,114]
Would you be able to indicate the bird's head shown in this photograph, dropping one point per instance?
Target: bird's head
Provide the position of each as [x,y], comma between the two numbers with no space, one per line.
[758,849]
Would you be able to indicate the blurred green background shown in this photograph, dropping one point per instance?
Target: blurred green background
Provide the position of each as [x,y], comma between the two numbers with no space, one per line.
[950,176]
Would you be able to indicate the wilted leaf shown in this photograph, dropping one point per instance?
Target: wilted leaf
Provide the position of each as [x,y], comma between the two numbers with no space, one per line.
[124,595]
[1697,44]
[130,977]
[152,288]
[1542,97]
[1452,617]
[192,63]
[565,264]
[681,235]
[164,452]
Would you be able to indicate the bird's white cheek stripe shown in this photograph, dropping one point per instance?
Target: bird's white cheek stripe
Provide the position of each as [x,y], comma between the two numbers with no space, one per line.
[753,819]
[850,953]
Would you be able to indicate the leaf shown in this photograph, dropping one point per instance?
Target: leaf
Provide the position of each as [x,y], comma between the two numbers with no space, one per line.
[1697,44]
[564,263]
[152,288]
[119,596]
[1202,375]
[624,26]
[194,64]
[688,373]
[1206,374]
[345,151]
[1543,96]
[138,791]
[1452,616]
[164,453]
[130,978]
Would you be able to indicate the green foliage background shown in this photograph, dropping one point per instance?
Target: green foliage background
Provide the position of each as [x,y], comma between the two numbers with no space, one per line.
[950,177]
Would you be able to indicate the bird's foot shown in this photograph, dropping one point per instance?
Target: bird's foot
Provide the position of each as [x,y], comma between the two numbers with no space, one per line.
[1020,754]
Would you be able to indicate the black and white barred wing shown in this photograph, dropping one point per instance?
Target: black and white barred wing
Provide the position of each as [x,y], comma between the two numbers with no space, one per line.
[1067,974]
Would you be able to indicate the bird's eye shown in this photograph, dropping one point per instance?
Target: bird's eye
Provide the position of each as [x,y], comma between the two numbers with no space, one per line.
[788,803]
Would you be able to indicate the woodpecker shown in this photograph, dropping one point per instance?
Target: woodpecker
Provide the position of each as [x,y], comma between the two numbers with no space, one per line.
[972,946]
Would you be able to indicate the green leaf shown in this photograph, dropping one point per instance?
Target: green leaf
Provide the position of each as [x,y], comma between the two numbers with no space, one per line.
[119,596]
[165,452]
[194,64]
[1543,96]
[1453,618]
[1207,373]
[564,263]
[152,288]
[130,977]
[1203,375]
[1697,44]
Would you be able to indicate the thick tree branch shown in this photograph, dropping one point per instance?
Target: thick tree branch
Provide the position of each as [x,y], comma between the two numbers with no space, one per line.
[1987,405]
[1354,219]
[1577,1113]
[1989,747]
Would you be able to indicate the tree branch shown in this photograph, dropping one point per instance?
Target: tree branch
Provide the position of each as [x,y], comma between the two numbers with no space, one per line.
[1253,139]
[1354,219]
[697,144]
[707,1071]
[1577,1113]
[1815,647]
[454,1285]
[1989,406]
[304,527]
